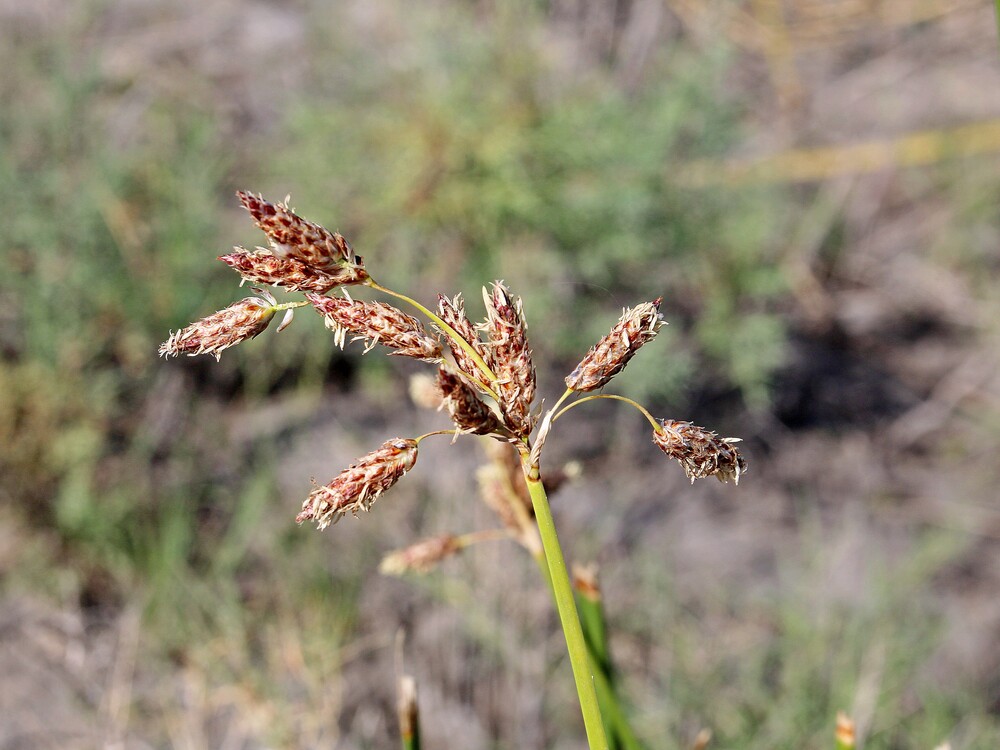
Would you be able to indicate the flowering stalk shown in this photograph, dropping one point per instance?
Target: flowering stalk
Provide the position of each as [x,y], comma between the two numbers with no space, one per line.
[491,359]
[569,618]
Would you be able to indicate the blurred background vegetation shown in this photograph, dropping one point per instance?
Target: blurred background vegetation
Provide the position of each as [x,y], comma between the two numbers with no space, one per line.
[812,188]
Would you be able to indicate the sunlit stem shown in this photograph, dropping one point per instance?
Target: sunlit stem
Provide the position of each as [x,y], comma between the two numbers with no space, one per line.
[436,432]
[289,306]
[640,407]
[562,592]
[451,332]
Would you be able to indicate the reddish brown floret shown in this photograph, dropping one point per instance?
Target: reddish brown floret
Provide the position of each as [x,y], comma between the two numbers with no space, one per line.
[378,323]
[293,237]
[700,452]
[262,267]
[452,312]
[608,357]
[467,410]
[212,335]
[359,485]
[509,356]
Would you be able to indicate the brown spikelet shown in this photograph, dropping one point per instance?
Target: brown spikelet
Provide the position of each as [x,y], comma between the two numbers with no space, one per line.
[378,323]
[700,452]
[509,356]
[359,485]
[212,335]
[467,410]
[452,312]
[608,357]
[261,267]
[293,237]
[421,557]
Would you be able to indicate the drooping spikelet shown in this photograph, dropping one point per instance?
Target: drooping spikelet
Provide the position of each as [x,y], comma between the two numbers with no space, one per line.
[452,312]
[467,410]
[262,267]
[293,237]
[359,485]
[700,452]
[421,557]
[212,335]
[608,357]
[509,356]
[377,323]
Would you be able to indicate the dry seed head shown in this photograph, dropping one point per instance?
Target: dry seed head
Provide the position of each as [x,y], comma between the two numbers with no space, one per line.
[452,312]
[509,356]
[378,323]
[700,452]
[467,410]
[262,267]
[359,485]
[609,356]
[421,557]
[212,335]
[293,237]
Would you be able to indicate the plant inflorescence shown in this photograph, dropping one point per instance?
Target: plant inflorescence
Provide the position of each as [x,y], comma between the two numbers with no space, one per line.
[485,381]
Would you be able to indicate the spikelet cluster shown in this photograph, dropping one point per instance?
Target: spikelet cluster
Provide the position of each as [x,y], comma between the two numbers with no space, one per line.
[262,267]
[492,359]
[700,452]
[509,356]
[637,326]
[214,334]
[466,409]
[293,237]
[359,485]
[452,312]
[377,323]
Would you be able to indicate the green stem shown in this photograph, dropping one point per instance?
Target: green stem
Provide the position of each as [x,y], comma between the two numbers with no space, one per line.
[594,630]
[289,305]
[452,333]
[640,407]
[562,591]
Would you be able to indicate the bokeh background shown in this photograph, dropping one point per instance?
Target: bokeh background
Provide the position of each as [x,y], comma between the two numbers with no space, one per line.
[812,185]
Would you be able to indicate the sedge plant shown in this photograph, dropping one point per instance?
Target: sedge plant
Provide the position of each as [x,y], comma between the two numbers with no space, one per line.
[486,382]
